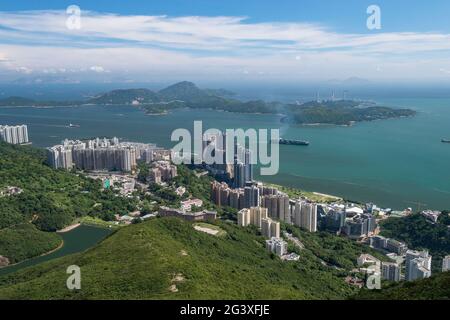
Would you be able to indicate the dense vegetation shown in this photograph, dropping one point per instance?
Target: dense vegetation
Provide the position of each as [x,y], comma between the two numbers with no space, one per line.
[338,252]
[146,259]
[435,288]
[418,233]
[51,199]
[25,102]
[25,241]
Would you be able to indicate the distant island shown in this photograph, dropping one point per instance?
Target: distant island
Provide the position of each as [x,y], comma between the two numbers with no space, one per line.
[340,112]
[187,95]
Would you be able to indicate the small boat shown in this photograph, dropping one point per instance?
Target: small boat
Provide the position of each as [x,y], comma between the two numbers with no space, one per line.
[445,140]
[71,125]
[293,142]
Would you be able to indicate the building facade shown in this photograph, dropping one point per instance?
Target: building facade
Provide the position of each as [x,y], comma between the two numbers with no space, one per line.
[14,134]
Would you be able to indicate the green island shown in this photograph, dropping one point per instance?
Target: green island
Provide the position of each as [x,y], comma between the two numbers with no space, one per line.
[187,95]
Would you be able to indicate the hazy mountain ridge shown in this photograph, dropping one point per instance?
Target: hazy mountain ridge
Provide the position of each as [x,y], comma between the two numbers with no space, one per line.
[186,94]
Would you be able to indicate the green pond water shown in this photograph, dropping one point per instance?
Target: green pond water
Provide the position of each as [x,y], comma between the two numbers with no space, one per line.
[76,240]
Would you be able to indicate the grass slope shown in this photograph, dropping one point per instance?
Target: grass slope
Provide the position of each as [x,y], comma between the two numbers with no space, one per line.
[25,241]
[144,260]
[435,288]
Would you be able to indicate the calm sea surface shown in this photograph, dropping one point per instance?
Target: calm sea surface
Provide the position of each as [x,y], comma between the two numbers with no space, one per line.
[394,163]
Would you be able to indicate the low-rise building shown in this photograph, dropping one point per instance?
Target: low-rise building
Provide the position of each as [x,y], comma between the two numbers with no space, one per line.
[291,257]
[189,216]
[10,191]
[369,264]
[188,204]
[431,215]
[391,245]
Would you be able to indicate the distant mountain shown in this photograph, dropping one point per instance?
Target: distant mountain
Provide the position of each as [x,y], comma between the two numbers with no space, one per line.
[349,81]
[126,96]
[186,94]
[184,91]
[16,101]
[25,102]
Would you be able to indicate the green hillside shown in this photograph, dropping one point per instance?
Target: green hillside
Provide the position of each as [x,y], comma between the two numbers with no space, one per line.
[125,96]
[50,200]
[435,288]
[144,260]
[418,233]
[25,241]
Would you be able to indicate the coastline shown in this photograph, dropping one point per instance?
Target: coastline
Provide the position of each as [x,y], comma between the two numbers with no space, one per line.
[41,255]
[69,228]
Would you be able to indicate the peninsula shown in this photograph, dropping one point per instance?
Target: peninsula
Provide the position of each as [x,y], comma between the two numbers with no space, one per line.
[187,95]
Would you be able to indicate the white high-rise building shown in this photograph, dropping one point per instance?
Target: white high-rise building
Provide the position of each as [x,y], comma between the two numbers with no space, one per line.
[270,228]
[253,216]
[98,154]
[14,134]
[256,215]
[417,265]
[305,215]
[243,217]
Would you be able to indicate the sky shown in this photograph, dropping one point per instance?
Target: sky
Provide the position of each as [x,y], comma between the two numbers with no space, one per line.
[231,41]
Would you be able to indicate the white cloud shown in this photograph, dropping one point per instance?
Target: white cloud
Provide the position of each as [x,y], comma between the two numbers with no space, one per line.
[24,70]
[192,46]
[98,69]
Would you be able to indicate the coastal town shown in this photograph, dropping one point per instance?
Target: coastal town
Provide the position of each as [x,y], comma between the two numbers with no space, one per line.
[137,171]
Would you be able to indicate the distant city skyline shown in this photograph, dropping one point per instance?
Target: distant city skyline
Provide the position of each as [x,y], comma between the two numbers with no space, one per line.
[254,41]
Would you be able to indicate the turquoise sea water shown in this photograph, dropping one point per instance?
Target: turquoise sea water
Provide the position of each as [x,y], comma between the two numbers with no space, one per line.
[394,163]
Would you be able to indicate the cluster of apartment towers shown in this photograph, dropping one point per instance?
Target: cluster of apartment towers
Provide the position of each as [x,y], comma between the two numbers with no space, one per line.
[101,154]
[417,263]
[238,172]
[259,205]
[14,134]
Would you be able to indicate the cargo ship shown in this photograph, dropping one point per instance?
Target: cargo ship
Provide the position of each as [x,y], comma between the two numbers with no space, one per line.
[445,140]
[294,142]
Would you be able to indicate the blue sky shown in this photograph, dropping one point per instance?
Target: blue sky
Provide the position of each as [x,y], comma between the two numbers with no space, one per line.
[398,15]
[291,40]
